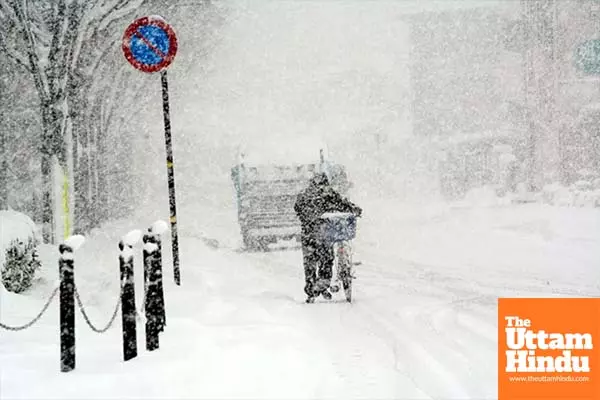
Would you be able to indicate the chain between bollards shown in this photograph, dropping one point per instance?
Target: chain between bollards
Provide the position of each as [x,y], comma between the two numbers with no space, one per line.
[36,318]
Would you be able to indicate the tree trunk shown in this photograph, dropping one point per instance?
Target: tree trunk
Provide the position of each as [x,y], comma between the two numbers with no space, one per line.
[69,172]
[47,220]
[76,173]
[96,206]
[3,166]
[103,170]
[82,181]
[58,174]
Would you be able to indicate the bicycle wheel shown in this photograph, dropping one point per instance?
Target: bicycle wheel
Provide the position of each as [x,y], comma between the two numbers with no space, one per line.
[345,265]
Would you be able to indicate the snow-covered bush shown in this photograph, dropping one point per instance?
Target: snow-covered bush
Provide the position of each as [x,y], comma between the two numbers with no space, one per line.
[21,263]
[19,260]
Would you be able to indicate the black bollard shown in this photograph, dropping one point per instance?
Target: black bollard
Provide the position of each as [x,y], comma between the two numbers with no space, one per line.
[152,304]
[67,308]
[128,312]
[159,286]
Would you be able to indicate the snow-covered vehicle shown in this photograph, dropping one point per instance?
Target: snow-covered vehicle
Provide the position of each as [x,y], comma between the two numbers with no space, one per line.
[266,190]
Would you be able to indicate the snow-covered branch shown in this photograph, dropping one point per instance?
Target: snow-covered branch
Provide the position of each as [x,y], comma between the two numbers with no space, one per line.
[13,54]
[104,13]
[58,24]
[94,25]
[111,102]
[42,34]
[7,11]
[121,10]
[31,48]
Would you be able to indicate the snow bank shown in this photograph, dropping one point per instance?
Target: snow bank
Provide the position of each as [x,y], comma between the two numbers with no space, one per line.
[484,197]
[581,194]
[15,225]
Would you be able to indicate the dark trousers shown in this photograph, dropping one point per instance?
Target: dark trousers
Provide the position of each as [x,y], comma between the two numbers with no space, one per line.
[318,263]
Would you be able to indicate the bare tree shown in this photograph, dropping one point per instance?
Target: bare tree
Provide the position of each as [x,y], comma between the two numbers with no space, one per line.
[99,71]
[46,38]
[18,137]
[71,51]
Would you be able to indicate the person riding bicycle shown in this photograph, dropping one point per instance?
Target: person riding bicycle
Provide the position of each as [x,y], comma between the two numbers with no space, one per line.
[314,201]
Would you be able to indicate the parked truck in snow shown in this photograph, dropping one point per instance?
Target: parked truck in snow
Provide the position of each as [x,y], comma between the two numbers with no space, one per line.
[266,192]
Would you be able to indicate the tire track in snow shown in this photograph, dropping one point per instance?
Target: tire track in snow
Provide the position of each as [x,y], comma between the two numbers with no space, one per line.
[413,358]
[472,351]
[437,330]
[484,282]
[364,360]
[412,335]
[337,330]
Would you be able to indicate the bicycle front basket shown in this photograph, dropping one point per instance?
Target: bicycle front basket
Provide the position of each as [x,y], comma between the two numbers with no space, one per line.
[337,227]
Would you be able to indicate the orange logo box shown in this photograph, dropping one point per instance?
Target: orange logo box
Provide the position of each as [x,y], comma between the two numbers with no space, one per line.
[549,348]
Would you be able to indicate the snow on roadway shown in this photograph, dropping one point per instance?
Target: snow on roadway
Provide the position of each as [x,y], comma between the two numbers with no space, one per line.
[423,324]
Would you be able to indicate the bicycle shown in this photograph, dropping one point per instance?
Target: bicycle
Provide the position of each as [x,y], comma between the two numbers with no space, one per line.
[338,230]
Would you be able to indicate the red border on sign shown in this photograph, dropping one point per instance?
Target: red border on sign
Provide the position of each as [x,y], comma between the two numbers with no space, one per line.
[132,29]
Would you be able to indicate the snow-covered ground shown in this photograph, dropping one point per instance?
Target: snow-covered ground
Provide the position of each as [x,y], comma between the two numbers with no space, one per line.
[423,323]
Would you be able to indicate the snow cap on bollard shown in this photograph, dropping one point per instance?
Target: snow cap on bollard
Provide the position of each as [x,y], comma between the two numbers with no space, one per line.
[128,241]
[159,227]
[132,238]
[75,241]
[69,246]
[151,238]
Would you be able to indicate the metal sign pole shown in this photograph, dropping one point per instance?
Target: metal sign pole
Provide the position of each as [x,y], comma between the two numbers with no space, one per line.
[171,176]
[150,45]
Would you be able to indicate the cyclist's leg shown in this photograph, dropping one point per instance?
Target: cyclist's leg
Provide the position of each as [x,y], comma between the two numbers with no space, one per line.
[310,259]
[326,258]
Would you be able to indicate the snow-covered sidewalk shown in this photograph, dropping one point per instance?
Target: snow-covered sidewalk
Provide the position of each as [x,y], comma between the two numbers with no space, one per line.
[230,333]
[423,324]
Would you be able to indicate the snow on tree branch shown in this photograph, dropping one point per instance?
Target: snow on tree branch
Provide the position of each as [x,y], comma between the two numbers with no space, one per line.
[6,11]
[122,9]
[13,54]
[98,17]
[31,49]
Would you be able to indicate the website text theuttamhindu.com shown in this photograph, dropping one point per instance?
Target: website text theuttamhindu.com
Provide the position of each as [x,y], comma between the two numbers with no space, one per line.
[550,379]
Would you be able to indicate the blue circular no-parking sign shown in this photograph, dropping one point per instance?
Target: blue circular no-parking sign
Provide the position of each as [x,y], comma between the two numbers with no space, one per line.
[150,44]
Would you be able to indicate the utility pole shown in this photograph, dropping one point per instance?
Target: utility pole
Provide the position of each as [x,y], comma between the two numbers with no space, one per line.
[540,85]
[528,78]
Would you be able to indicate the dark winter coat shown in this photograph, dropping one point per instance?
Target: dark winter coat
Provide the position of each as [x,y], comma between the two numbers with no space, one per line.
[317,199]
